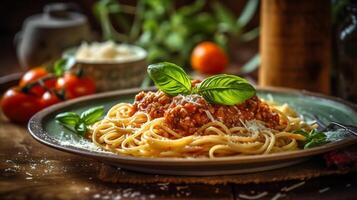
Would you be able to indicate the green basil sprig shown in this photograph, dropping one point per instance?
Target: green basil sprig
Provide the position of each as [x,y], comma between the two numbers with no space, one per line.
[78,123]
[313,138]
[219,89]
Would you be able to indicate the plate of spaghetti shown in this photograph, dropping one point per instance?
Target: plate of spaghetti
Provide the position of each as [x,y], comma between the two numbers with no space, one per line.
[220,125]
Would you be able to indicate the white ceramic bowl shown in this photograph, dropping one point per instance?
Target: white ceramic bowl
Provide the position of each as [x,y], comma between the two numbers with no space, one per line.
[115,74]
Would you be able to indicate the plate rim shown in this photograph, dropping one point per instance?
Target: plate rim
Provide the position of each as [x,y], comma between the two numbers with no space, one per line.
[36,129]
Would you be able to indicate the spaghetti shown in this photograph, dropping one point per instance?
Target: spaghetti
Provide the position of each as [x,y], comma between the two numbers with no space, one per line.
[157,125]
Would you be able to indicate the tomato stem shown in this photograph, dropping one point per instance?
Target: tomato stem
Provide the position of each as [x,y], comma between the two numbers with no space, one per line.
[41,82]
[60,94]
[80,72]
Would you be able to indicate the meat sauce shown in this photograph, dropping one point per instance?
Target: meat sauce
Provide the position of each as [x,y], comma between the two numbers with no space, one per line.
[186,114]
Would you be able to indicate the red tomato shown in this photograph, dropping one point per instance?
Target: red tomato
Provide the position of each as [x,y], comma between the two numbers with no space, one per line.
[18,106]
[208,58]
[75,86]
[49,98]
[34,75]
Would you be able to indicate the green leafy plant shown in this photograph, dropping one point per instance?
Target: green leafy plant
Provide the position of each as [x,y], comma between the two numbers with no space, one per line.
[169,32]
[219,89]
[313,138]
[78,123]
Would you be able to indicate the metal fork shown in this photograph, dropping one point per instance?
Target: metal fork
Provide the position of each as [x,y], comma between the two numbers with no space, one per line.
[323,127]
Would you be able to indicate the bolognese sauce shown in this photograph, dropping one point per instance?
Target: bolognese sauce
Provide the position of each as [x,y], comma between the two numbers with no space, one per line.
[186,114]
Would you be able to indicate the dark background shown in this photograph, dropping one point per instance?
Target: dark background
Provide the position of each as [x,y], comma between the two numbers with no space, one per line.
[14,12]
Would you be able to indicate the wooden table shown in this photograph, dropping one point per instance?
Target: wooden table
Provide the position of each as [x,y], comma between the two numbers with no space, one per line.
[30,170]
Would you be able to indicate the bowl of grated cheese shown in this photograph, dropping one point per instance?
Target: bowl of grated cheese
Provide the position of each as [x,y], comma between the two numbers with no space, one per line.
[113,66]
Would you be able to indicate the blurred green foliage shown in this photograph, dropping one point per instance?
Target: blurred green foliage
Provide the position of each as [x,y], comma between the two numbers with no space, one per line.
[168,32]
[337,10]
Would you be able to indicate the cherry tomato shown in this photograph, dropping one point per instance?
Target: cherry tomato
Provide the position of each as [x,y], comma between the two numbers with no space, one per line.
[18,106]
[75,86]
[208,58]
[34,75]
[49,98]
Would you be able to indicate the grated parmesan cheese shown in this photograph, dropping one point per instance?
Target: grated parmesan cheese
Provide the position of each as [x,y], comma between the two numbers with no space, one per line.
[108,51]
[287,189]
[278,196]
[324,190]
[251,197]
[209,115]
[255,125]
[72,140]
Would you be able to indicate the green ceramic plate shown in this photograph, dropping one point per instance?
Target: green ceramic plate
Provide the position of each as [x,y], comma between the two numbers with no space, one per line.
[44,129]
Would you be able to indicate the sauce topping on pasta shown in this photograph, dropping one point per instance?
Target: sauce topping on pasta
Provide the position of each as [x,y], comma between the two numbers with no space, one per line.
[186,114]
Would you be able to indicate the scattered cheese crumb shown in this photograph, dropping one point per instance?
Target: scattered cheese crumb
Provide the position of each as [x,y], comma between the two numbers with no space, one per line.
[287,189]
[324,190]
[258,196]
[278,196]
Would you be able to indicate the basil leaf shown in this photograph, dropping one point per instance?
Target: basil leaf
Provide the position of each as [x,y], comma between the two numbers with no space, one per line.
[92,115]
[317,135]
[68,118]
[313,138]
[303,133]
[315,142]
[170,78]
[62,65]
[226,89]
[81,128]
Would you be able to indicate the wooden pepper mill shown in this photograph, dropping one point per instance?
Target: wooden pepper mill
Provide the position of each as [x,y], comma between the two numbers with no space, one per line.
[295,44]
